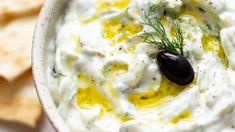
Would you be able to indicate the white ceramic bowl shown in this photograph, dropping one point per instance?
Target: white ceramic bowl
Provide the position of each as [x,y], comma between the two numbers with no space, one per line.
[44,29]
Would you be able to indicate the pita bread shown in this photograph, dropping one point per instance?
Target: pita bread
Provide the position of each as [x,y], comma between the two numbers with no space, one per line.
[11,9]
[15,47]
[18,100]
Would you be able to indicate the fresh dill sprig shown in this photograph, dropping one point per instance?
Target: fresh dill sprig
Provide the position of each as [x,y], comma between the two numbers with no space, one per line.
[159,36]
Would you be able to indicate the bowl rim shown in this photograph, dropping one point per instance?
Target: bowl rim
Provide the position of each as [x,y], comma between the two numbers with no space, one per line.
[38,51]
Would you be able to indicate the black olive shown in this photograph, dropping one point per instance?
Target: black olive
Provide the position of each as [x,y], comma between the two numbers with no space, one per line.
[175,67]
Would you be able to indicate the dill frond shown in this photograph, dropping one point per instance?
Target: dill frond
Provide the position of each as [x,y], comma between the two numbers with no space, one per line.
[159,36]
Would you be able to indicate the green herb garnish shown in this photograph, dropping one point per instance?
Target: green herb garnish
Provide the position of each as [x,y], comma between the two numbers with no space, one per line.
[158,36]
[55,74]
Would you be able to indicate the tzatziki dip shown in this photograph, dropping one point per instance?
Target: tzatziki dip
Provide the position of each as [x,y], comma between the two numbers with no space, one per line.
[144,65]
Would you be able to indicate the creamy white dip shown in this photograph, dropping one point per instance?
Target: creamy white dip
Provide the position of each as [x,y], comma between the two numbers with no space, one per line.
[104,78]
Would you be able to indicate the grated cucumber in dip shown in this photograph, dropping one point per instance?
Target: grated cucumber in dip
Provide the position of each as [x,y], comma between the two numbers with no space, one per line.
[104,76]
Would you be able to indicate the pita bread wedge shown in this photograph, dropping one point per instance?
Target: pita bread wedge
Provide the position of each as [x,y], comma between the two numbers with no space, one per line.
[15,47]
[11,9]
[18,100]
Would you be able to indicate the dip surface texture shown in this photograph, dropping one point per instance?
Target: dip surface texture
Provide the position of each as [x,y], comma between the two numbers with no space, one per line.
[104,77]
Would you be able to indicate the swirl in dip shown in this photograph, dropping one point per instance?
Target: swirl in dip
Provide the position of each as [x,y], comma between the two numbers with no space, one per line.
[104,77]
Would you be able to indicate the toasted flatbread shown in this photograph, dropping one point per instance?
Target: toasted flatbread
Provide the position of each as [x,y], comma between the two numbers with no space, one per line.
[11,9]
[15,47]
[18,100]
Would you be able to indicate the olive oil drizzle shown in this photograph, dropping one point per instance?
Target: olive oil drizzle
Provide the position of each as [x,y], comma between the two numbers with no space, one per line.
[184,115]
[212,44]
[121,28]
[155,98]
[104,5]
[89,95]
[207,20]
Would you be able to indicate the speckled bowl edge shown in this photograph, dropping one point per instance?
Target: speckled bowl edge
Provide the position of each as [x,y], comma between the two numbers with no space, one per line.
[39,46]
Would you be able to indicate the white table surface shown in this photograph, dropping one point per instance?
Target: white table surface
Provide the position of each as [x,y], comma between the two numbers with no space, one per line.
[43,126]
